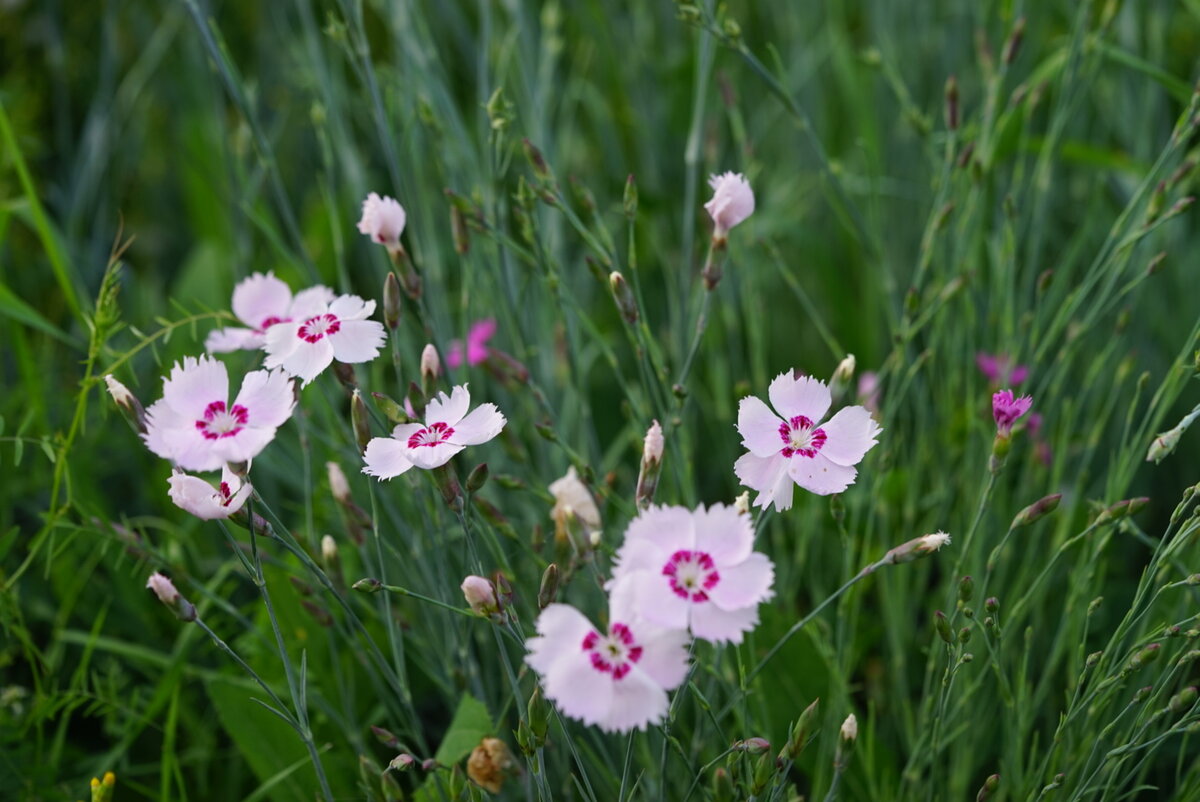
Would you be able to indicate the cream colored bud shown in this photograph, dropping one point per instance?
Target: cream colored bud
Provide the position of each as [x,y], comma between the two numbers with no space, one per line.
[431,365]
[329,550]
[480,594]
[338,483]
[845,370]
[849,731]
[653,447]
[742,503]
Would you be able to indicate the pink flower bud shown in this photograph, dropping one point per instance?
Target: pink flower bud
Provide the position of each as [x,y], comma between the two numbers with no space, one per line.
[165,590]
[652,450]
[382,220]
[732,202]
[338,483]
[480,594]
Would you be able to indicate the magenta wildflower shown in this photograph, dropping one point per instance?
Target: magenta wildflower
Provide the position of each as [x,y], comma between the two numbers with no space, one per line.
[477,349]
[1007,410]
[1000,369]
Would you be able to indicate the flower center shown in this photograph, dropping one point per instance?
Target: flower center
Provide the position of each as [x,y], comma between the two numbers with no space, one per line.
[224,494]
[612,654]
[317,327]
[691,574]
[434,435]
[219,422]
[268,322]
[799,437]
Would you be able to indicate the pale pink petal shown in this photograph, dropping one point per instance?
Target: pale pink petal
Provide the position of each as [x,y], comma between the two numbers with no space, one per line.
[385,458]
[175,438]
[759,427]
[280,342]
[579,690]
[714,624]
[664,653]
[637,700]
[243,446]
[382,220]
[850,435]
[196,496]
[648,594]
[482,331]
[454,354]
[310,302]
[429,457]
[303,359]
[804,396]
[194,385]
[820,475]
[482,424]
[260,298]
[745,584]
[357,340]
[732,201]
[223,341]
[637,554]
[268,396]
[448,409]
[562,629]
[723,534]
[351,307]
[670,528]
[767,475]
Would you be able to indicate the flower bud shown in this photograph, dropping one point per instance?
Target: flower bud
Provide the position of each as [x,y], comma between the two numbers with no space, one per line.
[942,625]
[849,730]
[843,375]
[128,403]
[360,420]
[548,589]
[966,589]
[964,635]
[623,296]
[752,746]
[1163,445]
[385,737]
[329,552]
[991,604]
[1182,701]
[847,737]
[368,585]
[537,161]
[800,731]
[1037,510]
[989,786]
[538,711]
[391,301]
[338,484]
[629,202]
[1145,656]
[651,468]
[431,366]
[723,790]
[1122,509]
[165,590]
[480,594]
[489,762]
[402,762]
[477,478]
[102,790]
[916,548]
[952,103]
[1093,659]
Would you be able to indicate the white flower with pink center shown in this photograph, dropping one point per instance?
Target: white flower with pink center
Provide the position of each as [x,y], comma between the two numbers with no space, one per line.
[693,569]
[307,344]
[261,302]
[447,430]
[794,447]
[196,427]
[617,677]
[193,494]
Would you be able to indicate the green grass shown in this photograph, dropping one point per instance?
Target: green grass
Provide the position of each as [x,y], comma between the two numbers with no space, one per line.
[152,154]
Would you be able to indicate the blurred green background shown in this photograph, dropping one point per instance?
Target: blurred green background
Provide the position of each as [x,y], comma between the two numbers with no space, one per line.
[216,139]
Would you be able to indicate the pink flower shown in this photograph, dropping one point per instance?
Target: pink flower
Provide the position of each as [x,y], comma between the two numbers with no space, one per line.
[307,344]
[999,369]
[260,302]
[382,220]
[868,391]
[616,678]
[793,447]
[1007,410]
[477,349]
[732,202]
[693,569]
[193,425]
[447,430]
[193,494]
[163,588]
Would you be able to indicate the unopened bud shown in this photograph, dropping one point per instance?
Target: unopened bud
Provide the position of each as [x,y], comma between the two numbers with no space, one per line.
[623,296]
[431,366]
[128,403]
[402,762]
[849,731]
[537,161]
[964,635]
[1142,693]
[385,737]
[391,301]
[843,375]
[942,625]
[480,594]
[538,711]
[329,551]
[991,604]
[723,789]
[165,590]
[367,585]
[651,468]
[1093,659]
[800,731]
[548,589]
[477,478]
[1037,510]
[360,420]
[630,201]
[989,786]
[952,103]
[1182,701]
[966,589]
[1145,656]
[752,746]
[916,548]
[1163,445]
[1122,509]
[338,483]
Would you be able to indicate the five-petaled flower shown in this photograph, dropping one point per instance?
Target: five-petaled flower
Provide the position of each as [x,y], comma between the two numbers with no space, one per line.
[732,202]
[616,678]
[447,430]
[1000,369]
[693,569]
[382,220]
[794,446]
[307,344]
[195,495]
[261,302]
[196,427]
[1007,410]
[477,349]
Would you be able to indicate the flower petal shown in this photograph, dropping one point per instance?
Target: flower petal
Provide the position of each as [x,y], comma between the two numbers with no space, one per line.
[850,434]
[194,385]
[745,584]
[429,457]
[357,340]
[803,396]
[448,409]
[759,427]
[385,458]
[664,654]
[647,594]
[725,535]
[196,496]
[484,423]
[670,528]
[304,360]
[767,475]
[268,396]
[637,700]
[821,475]
[222,341]
[351,307]
[259,298]
[309,302]
[714,624]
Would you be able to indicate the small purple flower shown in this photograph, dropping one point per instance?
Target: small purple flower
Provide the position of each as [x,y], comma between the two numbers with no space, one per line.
[1000,369]
[1007,410]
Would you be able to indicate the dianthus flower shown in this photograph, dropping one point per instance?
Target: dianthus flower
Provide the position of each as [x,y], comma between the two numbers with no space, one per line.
[1006,409]
[1000,369]
[477,349]
[382,220]
[260,302]
[732,202]
[306,345]
[195,495]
